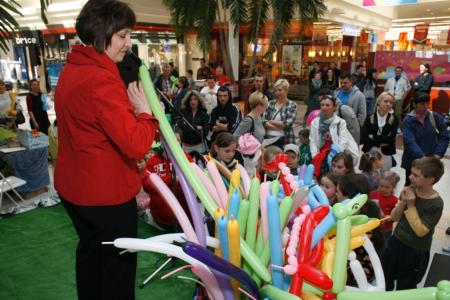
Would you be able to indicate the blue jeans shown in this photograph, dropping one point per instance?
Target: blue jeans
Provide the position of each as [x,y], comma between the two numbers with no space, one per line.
[370,103]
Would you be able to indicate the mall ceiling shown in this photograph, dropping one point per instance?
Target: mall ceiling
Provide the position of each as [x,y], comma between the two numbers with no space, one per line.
[65,11]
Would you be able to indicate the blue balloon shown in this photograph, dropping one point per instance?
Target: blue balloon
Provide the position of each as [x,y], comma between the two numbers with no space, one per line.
[309,174]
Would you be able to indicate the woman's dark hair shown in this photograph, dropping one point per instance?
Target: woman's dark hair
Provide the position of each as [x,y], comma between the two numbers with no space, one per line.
[347,158]
[427,65]
[369,77]
[351,185]
[225,89]
[367,161]
[421,98]
[318,72]
[223,140]
[100,19]
[184,81]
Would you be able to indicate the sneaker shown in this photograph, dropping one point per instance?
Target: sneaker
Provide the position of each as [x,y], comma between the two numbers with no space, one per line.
[446,249]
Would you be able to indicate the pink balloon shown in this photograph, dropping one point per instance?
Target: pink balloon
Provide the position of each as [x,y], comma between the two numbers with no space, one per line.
[292,260]
[245,179]
[264,191]
[312,115]
[290,270]
[211,284]
[175,206]
[208,184]
[218,182]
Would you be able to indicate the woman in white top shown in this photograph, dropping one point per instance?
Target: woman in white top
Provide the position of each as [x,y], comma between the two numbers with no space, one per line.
[331,129]
[5,100]
[280,116]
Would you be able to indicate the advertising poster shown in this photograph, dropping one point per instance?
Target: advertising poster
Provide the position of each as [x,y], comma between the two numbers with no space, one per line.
[420,34]
[291,60]
[386,61]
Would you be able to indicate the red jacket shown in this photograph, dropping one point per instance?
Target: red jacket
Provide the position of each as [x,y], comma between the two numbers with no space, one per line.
[99,136]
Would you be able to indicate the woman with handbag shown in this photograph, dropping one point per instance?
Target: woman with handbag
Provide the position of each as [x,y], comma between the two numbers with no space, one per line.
[194,112]
[252,123]
[379,131]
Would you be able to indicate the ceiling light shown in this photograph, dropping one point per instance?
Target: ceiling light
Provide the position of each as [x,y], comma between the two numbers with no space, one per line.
[64,6]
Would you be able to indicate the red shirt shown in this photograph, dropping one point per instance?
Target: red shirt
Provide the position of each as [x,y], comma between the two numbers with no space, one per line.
[99,136]
[386,204]
[160,210]
[223,79]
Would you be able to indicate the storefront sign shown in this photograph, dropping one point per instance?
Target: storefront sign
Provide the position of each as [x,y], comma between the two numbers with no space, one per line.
[364,38]
[420,33]
[386,2]
[292,60]
[24,41]
[348,29]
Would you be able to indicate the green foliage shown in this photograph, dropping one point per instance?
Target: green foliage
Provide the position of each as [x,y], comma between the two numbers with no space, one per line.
[8,25]
[202,14]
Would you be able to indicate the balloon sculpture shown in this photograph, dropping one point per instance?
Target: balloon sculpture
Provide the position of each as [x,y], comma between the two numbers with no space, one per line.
[273,240]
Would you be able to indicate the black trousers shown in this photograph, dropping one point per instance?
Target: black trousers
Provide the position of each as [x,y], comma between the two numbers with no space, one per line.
[101,272]
[403,264]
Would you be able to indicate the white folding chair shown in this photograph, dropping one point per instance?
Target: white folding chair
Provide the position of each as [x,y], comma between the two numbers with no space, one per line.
[10,184]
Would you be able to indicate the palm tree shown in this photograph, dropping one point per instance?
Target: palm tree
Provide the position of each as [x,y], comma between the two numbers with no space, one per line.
[203,14]
[8,24]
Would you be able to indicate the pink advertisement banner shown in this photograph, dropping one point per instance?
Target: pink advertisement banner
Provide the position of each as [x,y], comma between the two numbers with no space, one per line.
[386,61]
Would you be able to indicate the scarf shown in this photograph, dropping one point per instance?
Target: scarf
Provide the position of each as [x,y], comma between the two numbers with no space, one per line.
[316,83]
[324,127]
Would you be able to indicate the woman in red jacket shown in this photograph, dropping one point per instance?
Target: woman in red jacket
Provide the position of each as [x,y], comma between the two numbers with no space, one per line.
[103,129]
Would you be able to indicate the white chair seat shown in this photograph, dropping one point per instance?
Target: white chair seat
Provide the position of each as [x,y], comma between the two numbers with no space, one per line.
[10,183]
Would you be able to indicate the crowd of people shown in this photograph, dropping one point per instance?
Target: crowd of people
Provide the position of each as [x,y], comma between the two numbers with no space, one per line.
[105,127]
[348,127]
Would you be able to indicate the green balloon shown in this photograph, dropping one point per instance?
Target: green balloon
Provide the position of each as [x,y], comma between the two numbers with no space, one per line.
[252,220]
[244,208]
[342,247]
[275,293]
[355,204]
[194,181]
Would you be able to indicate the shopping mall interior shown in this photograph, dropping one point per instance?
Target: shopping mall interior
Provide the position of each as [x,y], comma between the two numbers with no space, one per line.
[205,223]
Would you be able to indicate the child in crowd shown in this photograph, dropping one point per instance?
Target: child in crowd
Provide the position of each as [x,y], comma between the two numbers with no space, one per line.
[268,157]
[371,164]
[342,164]
[223,149]
[305,152]
[418,211]
[329,183]
[348,187]
[160,164]
[293,155]
[386,198]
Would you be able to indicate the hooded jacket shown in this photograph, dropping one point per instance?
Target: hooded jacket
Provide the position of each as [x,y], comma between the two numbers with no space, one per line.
[357,101]
[201,119]
[99,136]
[423,139]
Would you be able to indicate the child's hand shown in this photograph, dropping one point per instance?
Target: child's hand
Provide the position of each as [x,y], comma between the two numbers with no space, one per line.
[408,196]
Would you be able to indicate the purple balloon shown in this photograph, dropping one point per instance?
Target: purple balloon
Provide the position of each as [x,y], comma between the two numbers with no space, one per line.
[208,258]
[191,199]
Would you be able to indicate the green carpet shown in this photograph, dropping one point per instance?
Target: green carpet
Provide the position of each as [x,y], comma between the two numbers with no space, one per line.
[37,260]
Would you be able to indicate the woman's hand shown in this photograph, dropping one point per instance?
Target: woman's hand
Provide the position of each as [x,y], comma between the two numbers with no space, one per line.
[137,98]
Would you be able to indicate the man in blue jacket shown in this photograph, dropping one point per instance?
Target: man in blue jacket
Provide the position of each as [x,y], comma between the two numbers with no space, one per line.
[424,134]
